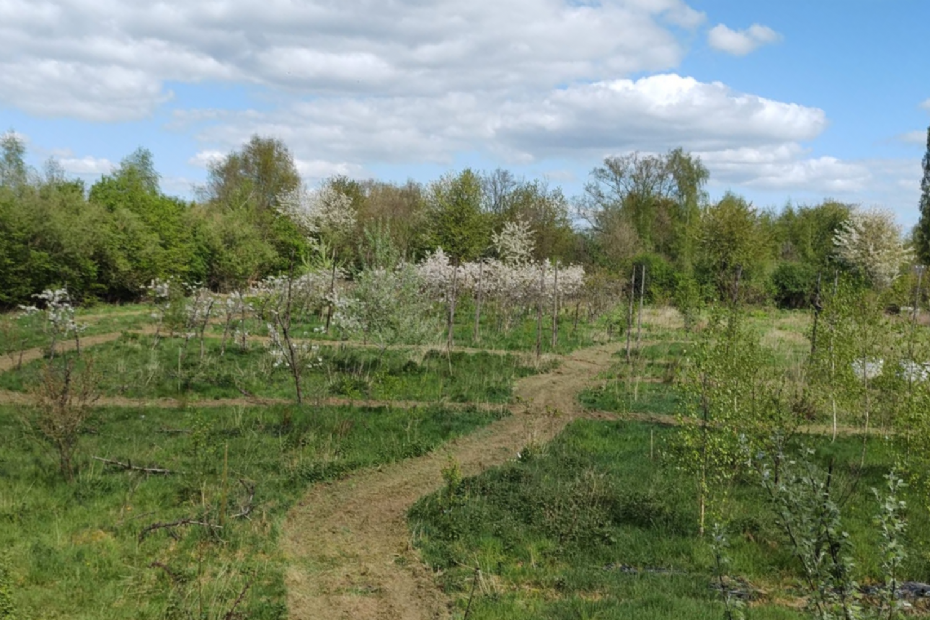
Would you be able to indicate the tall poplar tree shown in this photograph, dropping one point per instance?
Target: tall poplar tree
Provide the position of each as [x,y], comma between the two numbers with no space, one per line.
[922,231]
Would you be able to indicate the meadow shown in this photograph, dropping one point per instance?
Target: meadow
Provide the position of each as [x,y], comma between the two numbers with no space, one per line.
[191,453]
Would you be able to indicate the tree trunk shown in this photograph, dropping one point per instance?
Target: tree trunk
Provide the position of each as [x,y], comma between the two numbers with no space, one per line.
[453,293]
[836,282]
[639,319]
[816,318]
[539,305]
[332,293]
[555,309]
[477,334]
[629,315]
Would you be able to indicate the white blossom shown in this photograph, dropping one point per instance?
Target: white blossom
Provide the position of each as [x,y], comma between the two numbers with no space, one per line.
[514,243]
[870,241]
[320,211]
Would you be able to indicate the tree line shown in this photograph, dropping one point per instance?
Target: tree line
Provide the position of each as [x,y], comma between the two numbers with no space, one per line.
[109,240]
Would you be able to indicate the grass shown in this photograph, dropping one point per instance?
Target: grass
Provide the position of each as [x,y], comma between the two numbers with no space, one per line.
[131,367]
[621,397]
[645,385]
[19,331]
[649,383]
[520,336]
[82,550]
[74,550]
[593,527]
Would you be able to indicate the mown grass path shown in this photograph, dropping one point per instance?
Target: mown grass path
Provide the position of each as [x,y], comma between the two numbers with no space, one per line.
[347,542]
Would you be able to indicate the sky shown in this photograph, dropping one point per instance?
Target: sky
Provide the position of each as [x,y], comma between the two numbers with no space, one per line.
[790,101]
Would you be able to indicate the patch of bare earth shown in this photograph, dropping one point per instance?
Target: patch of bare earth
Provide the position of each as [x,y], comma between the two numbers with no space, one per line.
[347,544]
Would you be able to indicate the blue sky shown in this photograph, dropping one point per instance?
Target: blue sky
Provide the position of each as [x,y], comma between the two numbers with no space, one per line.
[783,101]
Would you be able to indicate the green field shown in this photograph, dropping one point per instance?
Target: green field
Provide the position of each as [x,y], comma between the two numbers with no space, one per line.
[602,524]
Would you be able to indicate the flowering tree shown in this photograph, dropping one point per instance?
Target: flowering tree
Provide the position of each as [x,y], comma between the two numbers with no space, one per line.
[514,243]
[514,286]
[277,296]
[198,309]
[870,243]
[323,212]
[388,306]
[63,396]
[327,217]
[59,317]
[235,308]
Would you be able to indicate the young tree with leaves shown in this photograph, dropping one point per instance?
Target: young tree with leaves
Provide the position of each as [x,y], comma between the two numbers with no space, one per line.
[922,230]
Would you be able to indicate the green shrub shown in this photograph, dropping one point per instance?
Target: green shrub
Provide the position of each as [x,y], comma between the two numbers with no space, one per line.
[793,285]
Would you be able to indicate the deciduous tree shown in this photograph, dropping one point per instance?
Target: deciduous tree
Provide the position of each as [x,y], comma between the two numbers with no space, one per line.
[922,230]
[870,243]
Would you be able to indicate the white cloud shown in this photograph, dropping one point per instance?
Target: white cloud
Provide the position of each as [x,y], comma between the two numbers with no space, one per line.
[653,113]
[46,87]
[786,167]
[204,158]
[925,105]
[88,165]
[105,60]
[179,186]
[913,137]
[774,174]
[317,169]
[560,176]
[352,84]
[18,136]
[580,121]
[741,42]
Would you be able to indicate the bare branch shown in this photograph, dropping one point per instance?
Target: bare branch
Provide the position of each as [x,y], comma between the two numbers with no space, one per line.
[157,471]
[179,523]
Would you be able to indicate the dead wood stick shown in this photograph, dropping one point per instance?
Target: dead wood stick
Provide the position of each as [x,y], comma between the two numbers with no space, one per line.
[180,522]
[232,610]
[158,471]
[246,510]
[174,577]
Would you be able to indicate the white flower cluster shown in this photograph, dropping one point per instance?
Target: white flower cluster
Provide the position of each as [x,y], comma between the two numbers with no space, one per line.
[59,312]
[387,306]
[913,371]
[872,368]
[509,283]
[303,353]
[236,307]
[870,241]
[198,308]
[514,243]
[323,210]
[158,291]
[309,292]
[866,368]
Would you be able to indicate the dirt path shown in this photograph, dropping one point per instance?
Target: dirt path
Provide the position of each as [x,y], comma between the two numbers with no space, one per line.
[347,542]
[12,359]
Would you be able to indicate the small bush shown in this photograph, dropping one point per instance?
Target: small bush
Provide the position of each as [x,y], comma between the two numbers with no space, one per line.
[793,285]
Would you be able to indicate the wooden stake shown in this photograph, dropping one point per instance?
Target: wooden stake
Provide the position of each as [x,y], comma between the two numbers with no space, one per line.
[555,308]
[629,314]
[539,302]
